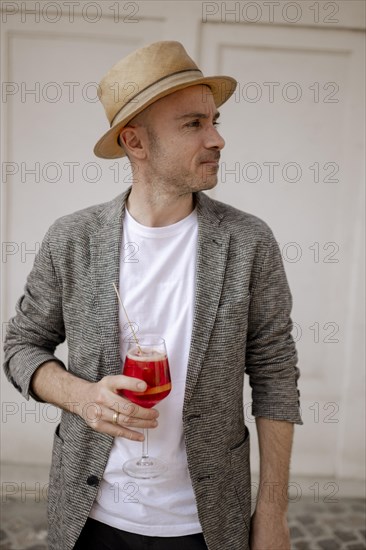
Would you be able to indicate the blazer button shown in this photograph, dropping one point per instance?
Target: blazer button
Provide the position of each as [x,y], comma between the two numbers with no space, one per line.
[93,481]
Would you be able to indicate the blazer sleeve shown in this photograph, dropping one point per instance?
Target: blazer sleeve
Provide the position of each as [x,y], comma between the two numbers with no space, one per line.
[271,356]
[37,328]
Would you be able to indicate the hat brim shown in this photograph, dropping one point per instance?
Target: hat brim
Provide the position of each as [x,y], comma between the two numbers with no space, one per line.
[222,88]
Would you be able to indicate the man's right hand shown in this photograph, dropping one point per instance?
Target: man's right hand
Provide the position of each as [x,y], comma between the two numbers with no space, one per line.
[98,403]
[107,412]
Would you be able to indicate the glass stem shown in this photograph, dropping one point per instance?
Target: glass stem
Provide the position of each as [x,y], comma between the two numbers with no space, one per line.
[145,444]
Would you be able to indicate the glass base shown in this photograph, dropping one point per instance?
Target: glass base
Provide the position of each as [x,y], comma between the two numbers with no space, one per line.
[145,467]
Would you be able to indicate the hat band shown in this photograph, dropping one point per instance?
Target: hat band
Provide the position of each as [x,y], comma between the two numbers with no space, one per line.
[165,83]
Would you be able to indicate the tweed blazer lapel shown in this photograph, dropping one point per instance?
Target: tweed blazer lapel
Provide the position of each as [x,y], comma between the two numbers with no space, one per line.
[212,251]
[105,266]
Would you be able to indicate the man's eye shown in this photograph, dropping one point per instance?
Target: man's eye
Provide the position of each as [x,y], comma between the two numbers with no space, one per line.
[197,123]
[194,124]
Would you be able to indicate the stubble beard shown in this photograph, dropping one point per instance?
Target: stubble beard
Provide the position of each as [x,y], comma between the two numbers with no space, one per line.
[164,175]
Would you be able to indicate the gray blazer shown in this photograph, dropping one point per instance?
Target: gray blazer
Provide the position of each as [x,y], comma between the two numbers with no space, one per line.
[241,323]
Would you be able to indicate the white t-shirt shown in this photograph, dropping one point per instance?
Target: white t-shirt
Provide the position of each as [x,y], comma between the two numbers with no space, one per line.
[157,287]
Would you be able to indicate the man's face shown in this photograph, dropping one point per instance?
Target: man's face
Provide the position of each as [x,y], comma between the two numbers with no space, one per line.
[183,142]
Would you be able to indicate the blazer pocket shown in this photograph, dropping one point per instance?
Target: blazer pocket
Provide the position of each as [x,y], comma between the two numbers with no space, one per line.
[228,335]
[233,304]
[233,310]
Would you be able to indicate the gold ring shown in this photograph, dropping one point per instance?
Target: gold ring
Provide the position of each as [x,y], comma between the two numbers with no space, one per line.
[115,418]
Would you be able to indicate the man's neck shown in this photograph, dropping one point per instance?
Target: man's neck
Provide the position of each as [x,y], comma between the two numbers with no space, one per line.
[155,209]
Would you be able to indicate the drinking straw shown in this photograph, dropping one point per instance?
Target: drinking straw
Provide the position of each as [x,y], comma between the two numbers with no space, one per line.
[129,322]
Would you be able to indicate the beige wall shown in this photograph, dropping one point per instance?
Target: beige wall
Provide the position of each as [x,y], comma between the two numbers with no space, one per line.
[294,144]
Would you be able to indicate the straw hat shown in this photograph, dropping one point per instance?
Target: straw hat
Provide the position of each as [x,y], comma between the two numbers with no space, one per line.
[144,76]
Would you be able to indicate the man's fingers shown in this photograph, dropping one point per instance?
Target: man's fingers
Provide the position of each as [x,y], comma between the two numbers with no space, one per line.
[115,415]
[106,396]
[129,434]
[117,418]
[122,382]
[119,431]
[125,421]
[130,410]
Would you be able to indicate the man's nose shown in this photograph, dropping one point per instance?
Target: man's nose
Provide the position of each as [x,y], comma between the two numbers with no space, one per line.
[214,139]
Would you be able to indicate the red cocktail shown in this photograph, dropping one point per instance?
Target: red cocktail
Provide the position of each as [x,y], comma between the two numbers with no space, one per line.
[152,367]
[147,360]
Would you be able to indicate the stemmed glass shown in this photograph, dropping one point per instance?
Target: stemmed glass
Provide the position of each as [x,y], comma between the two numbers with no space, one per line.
[147,359]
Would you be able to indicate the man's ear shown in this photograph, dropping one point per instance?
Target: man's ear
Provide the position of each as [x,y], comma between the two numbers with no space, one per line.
[132,140]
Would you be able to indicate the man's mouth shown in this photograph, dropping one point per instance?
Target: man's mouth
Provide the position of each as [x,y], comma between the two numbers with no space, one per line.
[211,161]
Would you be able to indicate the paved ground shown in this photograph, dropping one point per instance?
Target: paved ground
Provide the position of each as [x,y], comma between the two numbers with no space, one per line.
[314,526]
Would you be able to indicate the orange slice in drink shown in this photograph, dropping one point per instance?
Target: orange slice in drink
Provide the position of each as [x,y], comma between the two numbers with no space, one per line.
[158,389]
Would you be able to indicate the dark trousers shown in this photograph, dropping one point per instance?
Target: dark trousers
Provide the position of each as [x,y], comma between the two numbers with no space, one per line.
[99,536]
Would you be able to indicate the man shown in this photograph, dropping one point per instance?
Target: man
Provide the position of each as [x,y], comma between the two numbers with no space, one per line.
[207,277]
